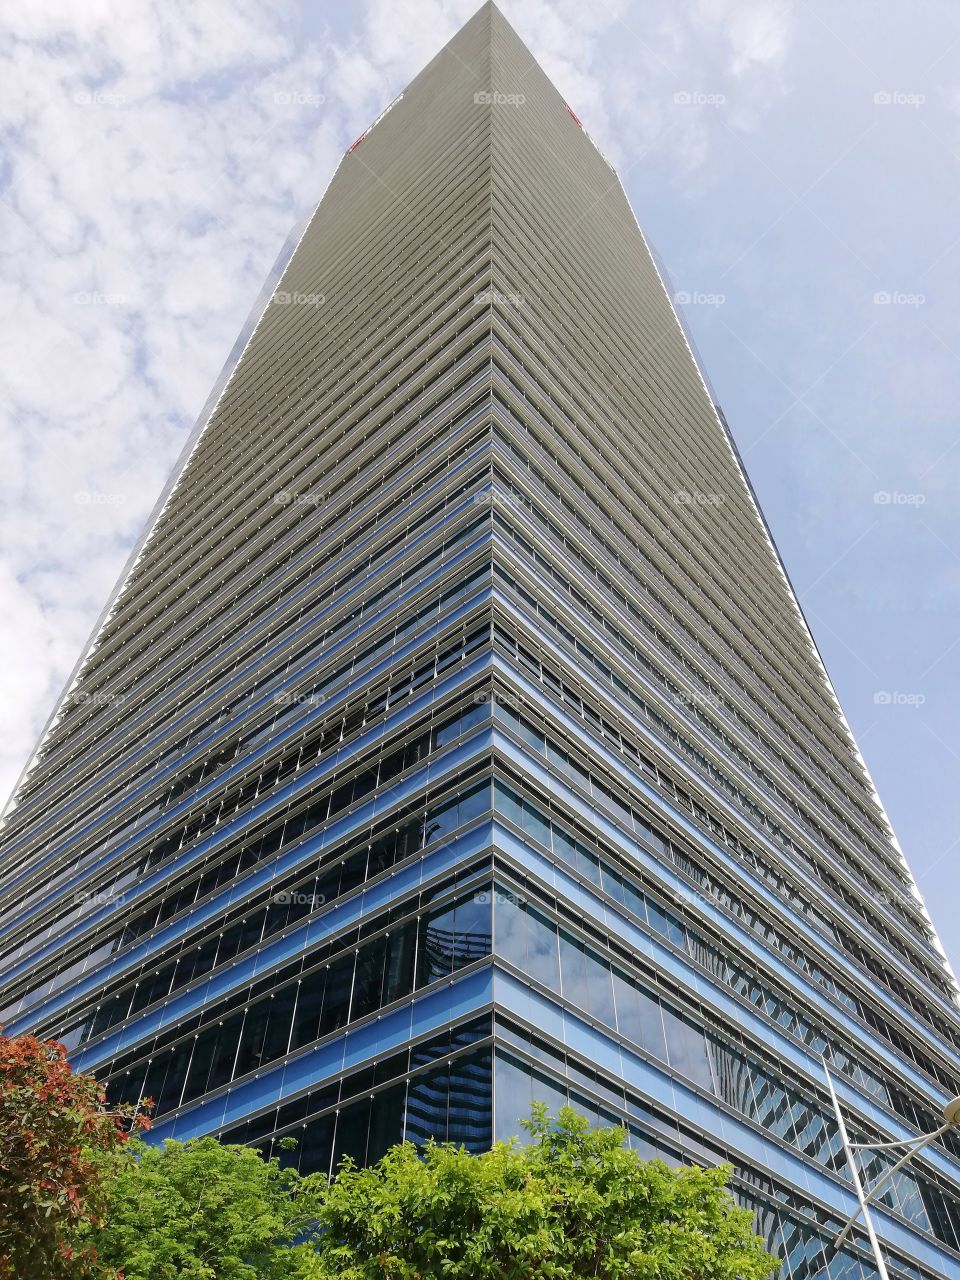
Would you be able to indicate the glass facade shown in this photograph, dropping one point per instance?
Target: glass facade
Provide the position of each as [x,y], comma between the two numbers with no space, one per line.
[455,740]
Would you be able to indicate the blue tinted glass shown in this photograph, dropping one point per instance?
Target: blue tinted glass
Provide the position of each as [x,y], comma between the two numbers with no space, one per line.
[687,1049]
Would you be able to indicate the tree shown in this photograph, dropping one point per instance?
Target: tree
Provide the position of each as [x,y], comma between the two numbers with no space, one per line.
[574,1203]
[54,1135]
[202,1210]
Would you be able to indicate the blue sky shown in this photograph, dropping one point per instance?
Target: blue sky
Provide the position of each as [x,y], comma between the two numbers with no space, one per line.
[796,165]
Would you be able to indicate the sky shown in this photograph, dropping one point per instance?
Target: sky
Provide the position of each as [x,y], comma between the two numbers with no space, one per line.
[795,165]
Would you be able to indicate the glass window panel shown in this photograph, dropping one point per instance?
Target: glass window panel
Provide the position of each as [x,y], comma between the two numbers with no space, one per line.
[535,824]
[306,1019]
[733,1075]
[435,947]
[579,973]
[621,890]
[277,1038]
[400,960]
[427,1106]
[127,1087]
[565,846]
[508,803]
[368,985]
[441,821]
[638,1016]
[315,1147]
[155,1079]
[596,982]
[469,1119]
[513,1094]
[527,939]
[386,1121]
[686,1049]
[352,1132]
[200,1061]
[773,1109]
[169,1095]
[472,928]
[474,802]
[252,1038]
[336,996]
[657,916]
[844,1267]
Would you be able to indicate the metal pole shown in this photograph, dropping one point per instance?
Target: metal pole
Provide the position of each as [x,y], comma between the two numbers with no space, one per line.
[916,1144]
[855,1176]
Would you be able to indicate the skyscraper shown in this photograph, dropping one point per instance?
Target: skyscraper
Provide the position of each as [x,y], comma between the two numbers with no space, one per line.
[455,738]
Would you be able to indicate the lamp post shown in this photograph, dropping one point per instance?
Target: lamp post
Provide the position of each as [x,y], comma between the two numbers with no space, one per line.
[909,1146]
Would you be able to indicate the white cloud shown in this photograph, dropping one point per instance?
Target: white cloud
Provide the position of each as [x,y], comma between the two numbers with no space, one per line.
[156,157]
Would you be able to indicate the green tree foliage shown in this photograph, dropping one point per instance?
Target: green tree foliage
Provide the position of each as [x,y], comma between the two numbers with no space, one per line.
[201,1210]
[576,1202]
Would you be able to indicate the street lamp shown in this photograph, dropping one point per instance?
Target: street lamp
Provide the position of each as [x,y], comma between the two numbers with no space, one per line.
[910,1147]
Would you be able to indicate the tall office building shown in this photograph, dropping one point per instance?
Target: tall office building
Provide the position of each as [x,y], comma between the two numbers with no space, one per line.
[455,738]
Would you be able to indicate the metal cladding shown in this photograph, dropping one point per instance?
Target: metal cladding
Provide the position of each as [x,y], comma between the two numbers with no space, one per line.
[455,738]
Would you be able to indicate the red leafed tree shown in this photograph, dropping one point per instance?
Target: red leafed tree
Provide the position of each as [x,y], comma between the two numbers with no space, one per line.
[55,1132]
